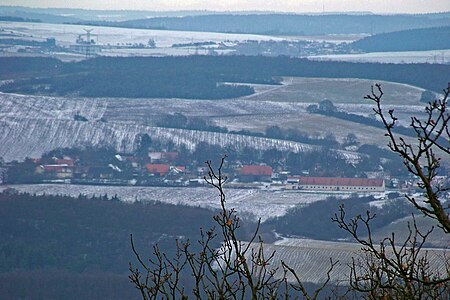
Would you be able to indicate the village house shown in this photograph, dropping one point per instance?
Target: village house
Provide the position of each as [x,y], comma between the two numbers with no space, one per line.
[250,173]
[162,156]
[61,171]
[132,160]
[336,184]
[157,169]
[64,161]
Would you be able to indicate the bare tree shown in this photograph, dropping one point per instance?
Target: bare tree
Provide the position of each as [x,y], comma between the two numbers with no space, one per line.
[388,269]
[392,269]
[422,158]
[235,270]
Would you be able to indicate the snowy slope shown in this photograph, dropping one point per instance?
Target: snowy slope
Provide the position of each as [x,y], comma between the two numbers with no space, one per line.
[256,203]
[32,125]
[311,258]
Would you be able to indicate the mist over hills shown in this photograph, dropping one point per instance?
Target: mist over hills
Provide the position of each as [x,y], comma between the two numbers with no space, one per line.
[254,22]
[58,15]
[290,24]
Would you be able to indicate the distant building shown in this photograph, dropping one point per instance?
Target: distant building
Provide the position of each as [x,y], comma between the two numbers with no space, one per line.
[163,156]
[85,49]
[256,173]
[337,184]
[178,169]
[65,161]
[103,172]
[157,169]
[57,170]
[133,160]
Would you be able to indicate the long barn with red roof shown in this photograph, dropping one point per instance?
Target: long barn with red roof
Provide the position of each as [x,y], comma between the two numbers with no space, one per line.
[256,173]
[338,184]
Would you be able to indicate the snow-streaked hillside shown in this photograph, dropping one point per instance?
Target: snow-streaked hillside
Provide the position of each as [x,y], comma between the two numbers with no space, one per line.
[33,125]
[24,137]
[311,258]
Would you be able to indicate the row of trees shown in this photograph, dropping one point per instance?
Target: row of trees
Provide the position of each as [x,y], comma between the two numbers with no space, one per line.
[326,107]
[179,120]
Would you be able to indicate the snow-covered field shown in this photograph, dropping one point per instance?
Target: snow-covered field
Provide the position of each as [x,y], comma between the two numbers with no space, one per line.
[32,125]
[252,202]
[67,34]
[338,90]
[311,258]
[22,138]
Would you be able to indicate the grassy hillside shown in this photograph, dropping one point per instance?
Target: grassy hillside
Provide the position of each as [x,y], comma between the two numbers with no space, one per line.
[338,90]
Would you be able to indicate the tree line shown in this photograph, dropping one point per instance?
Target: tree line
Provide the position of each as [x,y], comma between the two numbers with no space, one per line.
[193,77]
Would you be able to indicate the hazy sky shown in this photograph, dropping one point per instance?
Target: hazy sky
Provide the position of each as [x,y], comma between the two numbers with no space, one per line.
[379,6]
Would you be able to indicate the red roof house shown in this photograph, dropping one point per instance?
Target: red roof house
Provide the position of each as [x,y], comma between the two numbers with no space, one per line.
[160,169]
[256,173]
[68,162]
[256,170]
[60,171]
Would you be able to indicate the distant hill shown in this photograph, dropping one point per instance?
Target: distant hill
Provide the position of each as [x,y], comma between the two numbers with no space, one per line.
[291,24]
[93,15]
[17,19]
[65,246]
[43,15]
[235,22]
[193,77]
[435,38]
[74,234]
[106,15]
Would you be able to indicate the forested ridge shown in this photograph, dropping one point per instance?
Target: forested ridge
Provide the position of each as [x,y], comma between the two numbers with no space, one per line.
[84,234]
[314,221]
[80,247]
[288,23]
[422,39]
[193,77]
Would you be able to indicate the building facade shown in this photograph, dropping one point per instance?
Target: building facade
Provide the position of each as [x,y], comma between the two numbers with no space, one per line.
[337,184]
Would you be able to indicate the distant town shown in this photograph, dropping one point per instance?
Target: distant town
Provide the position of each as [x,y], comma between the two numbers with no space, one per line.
[89,43]
[178,169]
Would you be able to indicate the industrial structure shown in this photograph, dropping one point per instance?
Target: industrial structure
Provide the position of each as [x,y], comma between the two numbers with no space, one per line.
[86,44]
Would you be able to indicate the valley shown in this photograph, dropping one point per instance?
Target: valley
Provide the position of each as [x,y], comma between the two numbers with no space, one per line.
[108,130]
